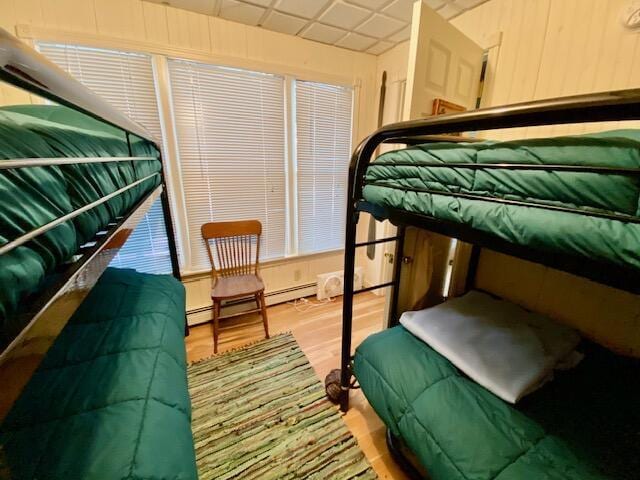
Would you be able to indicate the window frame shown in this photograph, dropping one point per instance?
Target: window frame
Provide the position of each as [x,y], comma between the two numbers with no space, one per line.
[160,55]
[189,263]
[294,133]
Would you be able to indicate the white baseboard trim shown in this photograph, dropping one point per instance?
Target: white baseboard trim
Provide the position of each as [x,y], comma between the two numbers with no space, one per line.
[200,315]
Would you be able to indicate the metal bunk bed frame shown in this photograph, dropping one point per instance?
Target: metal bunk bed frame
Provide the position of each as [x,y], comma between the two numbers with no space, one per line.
[50,309]
[601,107]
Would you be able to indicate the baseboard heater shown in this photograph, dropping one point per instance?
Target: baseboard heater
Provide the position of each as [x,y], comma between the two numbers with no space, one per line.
[203,315]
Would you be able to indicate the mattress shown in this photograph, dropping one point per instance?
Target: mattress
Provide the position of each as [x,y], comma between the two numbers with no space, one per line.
[581,426]
[110,399]
[42,194]
[397,179]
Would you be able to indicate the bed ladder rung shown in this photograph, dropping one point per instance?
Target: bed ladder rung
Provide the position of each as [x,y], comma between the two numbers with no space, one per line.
[375,287]
[380,240]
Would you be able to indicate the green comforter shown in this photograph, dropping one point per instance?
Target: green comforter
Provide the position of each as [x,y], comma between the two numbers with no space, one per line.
[583,422]
[110,399]
[551,231]
[38,195]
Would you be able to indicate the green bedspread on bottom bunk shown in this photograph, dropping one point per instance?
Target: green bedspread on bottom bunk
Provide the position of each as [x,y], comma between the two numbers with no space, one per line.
[110,399]
[583,422]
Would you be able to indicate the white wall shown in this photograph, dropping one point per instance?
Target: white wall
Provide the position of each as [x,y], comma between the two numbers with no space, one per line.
[150,27]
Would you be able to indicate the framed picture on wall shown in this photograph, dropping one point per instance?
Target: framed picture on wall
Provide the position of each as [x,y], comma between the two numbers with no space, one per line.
[443,107]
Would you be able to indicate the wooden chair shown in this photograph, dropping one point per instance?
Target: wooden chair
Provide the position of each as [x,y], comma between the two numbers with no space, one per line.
[234,267]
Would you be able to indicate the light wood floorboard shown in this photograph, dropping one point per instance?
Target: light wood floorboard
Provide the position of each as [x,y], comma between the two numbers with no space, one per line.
[317,330]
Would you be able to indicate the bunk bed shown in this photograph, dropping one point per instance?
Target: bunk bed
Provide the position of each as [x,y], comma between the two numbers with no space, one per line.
[569,203]
[92,363]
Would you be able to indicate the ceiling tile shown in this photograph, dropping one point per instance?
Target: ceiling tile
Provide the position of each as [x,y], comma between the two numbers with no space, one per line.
[467,4]
[301,8]
[400,9]
[198,6]
[262,3]
[435,4]
[323,33]
[449,11]
[355,41]
[344,16]
[380,47]
[402,35]
[380,26]
[371,4]
[284,23]
[241,12]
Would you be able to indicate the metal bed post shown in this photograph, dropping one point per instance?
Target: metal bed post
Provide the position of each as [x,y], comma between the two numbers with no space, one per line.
[364,151]
[168,225]
[398,258]
[171,239]
[347,299]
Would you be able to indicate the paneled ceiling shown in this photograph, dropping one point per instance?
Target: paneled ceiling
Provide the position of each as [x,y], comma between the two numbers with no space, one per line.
[372,26]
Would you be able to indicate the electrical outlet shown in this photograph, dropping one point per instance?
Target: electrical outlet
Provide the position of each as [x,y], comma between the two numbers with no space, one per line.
[297,275]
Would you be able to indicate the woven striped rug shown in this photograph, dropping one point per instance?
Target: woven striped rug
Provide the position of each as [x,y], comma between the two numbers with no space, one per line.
[260,412]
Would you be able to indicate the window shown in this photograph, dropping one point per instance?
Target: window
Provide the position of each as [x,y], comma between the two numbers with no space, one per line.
[323,146]
[146,249]
[230,125]
[233,130]
[123,79]
[126,81]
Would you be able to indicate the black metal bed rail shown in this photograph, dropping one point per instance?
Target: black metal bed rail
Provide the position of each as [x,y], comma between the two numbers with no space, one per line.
[21,240]
[45,162]
[599,107]
[379,240]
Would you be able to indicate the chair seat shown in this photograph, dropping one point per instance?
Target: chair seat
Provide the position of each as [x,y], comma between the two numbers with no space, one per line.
[237,286]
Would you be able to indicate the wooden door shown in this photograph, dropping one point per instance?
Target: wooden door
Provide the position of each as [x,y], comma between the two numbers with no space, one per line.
[443,63]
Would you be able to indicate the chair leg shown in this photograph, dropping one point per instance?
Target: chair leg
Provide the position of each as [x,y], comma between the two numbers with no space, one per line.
[216,315]
[256,297]
[263,308]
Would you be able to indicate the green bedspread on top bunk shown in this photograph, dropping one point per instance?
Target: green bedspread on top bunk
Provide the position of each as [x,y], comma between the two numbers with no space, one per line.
[387,184]
[38,195]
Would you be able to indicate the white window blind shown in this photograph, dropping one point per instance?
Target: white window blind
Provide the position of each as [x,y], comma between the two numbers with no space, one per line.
[123,79]
[146,249]
[323,144]
[231,140]
[126,81]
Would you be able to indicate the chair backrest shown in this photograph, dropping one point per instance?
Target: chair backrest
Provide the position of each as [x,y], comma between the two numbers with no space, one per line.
[237,246]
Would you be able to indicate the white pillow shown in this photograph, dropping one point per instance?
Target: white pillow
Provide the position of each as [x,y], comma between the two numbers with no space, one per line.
[501,346]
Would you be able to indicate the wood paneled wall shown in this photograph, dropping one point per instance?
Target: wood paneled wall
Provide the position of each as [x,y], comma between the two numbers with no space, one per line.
[554,48]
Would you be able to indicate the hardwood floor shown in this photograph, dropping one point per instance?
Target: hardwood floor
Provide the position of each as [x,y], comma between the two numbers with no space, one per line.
[317,330]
